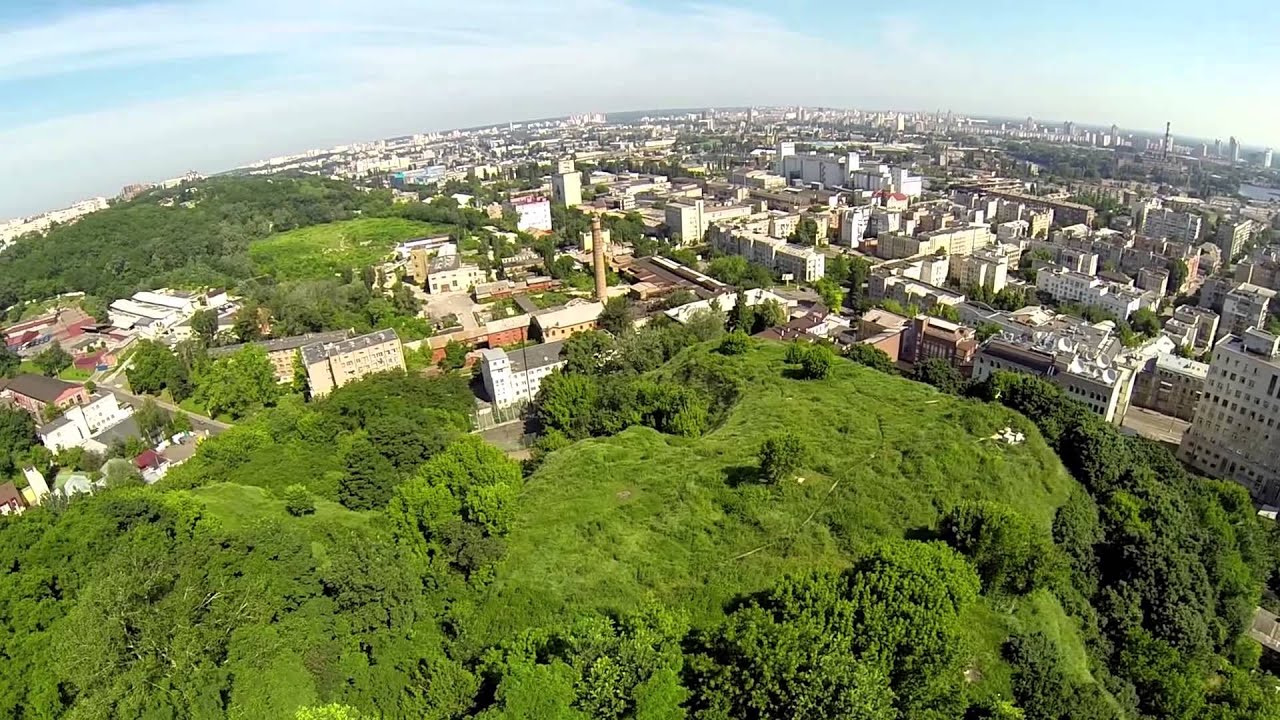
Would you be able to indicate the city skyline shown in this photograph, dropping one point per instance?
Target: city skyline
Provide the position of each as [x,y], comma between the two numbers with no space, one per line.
[114,92]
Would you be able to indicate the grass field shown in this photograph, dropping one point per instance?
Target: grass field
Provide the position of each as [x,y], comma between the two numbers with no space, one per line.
[236,506]
[607,523]
[326,250]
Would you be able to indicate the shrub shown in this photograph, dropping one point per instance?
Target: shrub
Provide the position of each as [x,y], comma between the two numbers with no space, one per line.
[735,343]
[298,501]
[779,457]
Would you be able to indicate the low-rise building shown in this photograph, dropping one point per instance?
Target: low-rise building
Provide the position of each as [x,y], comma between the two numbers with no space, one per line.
[569,320]
[1236,430]
[331,365]
[514,377]
[80,423]
[35,393]
[933,338]
[449,274]
[1170,385]
[1101,385]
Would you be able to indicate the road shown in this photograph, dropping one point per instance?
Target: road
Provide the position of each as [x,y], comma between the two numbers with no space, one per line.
[199,423]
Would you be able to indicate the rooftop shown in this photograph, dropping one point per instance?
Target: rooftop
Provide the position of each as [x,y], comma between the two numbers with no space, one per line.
[535,356]
[320,351]
[570,315]
[39,387]
[292,342]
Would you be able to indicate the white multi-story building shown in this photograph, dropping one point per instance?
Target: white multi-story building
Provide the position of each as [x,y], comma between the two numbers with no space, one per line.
[691,219]
[1072,287]
[1236,431]
[882,177]
[828,171]
[1104,386]
[1166,223]
[854,224]
[80,423]
[514,377]
[804,264]
[1244,307]
[533,213]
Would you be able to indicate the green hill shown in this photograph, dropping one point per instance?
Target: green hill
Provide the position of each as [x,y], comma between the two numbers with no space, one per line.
[607,523]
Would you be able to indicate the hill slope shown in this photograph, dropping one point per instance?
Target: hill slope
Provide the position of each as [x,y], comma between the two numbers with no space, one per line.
[607,523]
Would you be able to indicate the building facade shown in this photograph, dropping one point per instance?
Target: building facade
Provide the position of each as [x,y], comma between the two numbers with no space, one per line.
[1236,431]
[1170,385]
[331,365]
[282,351]
[514,377]
[566,185]
[569,320]
[533,214]
[1165,223]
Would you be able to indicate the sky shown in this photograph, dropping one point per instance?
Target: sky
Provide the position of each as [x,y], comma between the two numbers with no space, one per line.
[96,94]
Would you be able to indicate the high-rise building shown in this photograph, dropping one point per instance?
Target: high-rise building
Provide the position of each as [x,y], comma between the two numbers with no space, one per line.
[1217,148]
[1266,158]
[1233,149]
[785,149]
[1236,431]
[566,185]
[1232,237]
[1164,223]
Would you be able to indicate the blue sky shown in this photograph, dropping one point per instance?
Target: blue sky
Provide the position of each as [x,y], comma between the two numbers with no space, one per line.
[95,94]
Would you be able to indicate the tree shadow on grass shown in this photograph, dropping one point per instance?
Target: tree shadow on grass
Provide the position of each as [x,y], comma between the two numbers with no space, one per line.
[923,534]
[742,475]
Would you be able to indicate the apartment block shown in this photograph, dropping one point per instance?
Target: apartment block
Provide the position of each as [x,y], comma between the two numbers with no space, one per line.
[1236,431]
[566,185]
[515,376]
[1232,237]
[1072,287]
[1170,385]
[804,264]
[1193,327]
[987,268]
[1245,307]
[533,214]
[282,351]
[692,219]
[1166,223]
[331,365]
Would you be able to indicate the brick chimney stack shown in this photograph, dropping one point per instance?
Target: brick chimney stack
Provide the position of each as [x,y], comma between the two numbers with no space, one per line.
[597,255]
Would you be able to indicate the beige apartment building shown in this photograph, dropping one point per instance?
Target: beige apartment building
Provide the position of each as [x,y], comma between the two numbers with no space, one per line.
[282,351]
[334,364]
[1236,431]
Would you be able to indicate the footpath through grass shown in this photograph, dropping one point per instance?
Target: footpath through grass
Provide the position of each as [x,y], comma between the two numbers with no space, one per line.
[322,251]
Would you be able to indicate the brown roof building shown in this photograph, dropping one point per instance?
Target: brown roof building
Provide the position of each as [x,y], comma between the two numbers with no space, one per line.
[34,393]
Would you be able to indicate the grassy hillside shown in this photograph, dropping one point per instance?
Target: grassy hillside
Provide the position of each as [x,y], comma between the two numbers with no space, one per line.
[607,523]
[325,250]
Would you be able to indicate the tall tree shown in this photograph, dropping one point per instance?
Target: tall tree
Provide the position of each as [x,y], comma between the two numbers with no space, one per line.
[53,360]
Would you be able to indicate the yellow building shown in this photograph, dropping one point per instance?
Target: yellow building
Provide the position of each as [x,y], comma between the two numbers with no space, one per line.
[332,365]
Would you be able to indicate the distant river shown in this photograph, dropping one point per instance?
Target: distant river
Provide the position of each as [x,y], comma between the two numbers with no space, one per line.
[1257,192]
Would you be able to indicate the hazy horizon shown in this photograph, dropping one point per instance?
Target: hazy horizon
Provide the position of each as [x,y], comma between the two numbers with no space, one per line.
[109,92]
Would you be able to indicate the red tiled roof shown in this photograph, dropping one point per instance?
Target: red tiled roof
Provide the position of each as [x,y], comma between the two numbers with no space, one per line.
[148,459]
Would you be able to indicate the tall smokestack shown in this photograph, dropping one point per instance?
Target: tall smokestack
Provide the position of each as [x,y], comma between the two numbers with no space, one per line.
[597,255]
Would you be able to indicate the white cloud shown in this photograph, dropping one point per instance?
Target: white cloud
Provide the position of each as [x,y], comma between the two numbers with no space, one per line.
[343,71]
